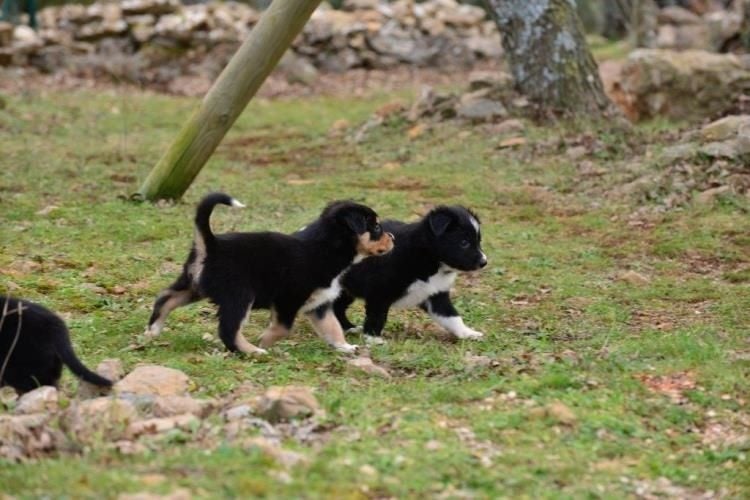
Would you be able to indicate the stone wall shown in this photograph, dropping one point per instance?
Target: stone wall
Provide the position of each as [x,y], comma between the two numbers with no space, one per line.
[142,35]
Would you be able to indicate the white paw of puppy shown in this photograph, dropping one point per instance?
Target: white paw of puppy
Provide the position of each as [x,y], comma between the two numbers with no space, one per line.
[151,332]
[346,348]
[469,334]
[374,340]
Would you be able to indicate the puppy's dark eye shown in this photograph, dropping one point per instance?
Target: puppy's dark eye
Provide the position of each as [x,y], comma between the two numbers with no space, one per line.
[465,244]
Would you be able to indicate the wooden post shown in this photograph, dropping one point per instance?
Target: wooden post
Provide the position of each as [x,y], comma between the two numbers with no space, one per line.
[227,98]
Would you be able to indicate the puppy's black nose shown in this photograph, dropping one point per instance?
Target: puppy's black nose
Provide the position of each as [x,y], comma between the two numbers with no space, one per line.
[483,262]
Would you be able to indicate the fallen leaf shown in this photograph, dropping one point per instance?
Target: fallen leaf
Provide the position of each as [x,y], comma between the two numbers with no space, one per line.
[511,142]
[673,385]
[633,278]
[416,131]
[561,413]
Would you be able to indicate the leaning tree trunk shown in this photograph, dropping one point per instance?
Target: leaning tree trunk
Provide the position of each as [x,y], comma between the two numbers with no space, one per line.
[549,59]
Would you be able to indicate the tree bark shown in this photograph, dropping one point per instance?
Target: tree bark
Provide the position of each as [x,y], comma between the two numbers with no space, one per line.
[745,27]
[643,23]
[549,58]
[227,98]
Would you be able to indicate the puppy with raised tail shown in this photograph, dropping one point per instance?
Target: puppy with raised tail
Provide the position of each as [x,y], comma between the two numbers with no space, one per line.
[268,270]
[419,272]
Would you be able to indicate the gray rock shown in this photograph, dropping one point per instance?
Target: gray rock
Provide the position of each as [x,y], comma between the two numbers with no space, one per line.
[679,152]
[365,365]
[297,69]
[169,406]
[476,107]
[154,380]
[160,425]
[99,418]
[724,128]
[41,400]
[674,14]
[110,369]
[682,85]
[238,412]
[508,127]
[287,402]
[155,7]
[722,149]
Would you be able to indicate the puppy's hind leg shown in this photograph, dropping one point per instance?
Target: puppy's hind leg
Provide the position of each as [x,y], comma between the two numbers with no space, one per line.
[178,294]
[232,314]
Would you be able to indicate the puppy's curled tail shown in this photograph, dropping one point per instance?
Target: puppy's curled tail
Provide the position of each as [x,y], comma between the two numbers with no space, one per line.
[64,349]
[203,213]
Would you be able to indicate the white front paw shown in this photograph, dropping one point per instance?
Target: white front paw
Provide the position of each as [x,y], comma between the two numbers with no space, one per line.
[374,340]
[346,348]
[152,331]
[468,333]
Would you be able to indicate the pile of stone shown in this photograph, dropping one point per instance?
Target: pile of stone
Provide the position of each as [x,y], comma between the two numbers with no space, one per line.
[150,407]
[716,29]
[706,164]
[683,85]
[489,98]
[363,34]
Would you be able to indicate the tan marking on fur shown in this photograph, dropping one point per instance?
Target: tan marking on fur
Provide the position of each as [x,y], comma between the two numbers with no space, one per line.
[366,246]
[273,334]
[196,267]
[177,299]
[329,329]
[244,346]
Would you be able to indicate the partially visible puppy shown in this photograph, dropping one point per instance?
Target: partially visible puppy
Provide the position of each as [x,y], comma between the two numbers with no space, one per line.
[419,272]
[267,270]
[34,345]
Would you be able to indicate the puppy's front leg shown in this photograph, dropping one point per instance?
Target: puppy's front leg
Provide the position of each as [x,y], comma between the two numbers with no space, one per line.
[440,308]
[329,329]
[340,305]
[376,315]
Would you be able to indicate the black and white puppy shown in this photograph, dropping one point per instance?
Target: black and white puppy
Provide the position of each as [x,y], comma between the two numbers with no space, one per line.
[418,272]
[34,345]
[268,270]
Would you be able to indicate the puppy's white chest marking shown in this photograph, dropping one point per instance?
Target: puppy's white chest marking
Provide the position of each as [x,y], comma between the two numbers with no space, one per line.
[323,295]
[419,291]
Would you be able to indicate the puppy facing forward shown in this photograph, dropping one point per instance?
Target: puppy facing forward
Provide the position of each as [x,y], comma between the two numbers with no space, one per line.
[418,272]
[267,270]
[34,345]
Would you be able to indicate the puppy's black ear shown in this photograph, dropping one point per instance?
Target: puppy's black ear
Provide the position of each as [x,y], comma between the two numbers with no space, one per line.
[354,221]
[439,221]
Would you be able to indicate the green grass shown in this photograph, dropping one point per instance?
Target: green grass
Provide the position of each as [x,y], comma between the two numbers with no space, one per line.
[559,323]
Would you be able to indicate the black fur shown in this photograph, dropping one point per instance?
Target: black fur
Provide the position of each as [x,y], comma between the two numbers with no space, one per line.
[36,356]
[443,242]
[266,270]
